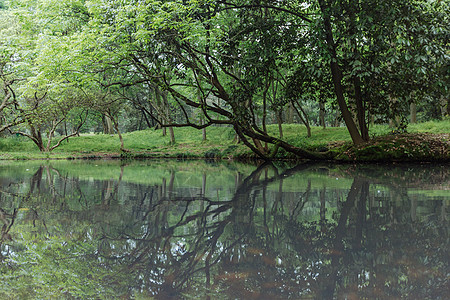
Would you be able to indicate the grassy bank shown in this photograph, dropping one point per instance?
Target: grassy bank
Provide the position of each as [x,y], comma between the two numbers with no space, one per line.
[424,141]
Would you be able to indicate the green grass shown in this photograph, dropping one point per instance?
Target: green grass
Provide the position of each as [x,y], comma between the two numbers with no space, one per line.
[189,144]
[431,126]
[146,140]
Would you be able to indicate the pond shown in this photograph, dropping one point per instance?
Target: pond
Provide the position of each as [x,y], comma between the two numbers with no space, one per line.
[198,230]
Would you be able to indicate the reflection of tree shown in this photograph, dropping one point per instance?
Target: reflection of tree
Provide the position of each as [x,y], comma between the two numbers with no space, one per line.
[267,240]
[218,233]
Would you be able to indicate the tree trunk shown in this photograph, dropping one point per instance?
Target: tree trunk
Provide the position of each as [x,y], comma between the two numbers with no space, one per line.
[279,116]
[259,145]
[322,114]
[394,120]
[244,131]
[303,117]
[337,77]
[360,110]
[290,114]
[360,107]
[161,109]
[443,103]
[37,138]
[116,126]
[448,106]
[107,125]
[264,114]
[172,135]
[168,117]
[149,124]
[202,121]
[122,146]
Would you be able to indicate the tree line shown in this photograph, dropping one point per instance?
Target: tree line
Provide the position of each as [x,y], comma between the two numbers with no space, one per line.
[70,64]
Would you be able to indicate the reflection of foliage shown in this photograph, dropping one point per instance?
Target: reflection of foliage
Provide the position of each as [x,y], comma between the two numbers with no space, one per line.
[109,238]
[56,268]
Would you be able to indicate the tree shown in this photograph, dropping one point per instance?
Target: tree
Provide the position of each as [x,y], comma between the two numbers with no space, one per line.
[47,114]
[382,50]
[168,57]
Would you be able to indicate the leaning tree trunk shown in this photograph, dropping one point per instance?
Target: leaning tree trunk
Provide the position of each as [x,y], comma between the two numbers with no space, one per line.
[337,76]
[116,127]
[303,117]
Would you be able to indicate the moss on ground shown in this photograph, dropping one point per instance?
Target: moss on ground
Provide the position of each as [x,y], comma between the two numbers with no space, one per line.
[400,147]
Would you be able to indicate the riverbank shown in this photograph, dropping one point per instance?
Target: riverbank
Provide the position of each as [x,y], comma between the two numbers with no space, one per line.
[428,141]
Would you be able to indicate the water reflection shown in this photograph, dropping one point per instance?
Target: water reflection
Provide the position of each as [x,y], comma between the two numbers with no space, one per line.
[167,230]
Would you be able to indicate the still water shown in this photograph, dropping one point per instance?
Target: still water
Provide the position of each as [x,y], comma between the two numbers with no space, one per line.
[198,230]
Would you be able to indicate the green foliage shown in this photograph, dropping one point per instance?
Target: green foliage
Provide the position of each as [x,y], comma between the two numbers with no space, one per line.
[238,63]
[49,269]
